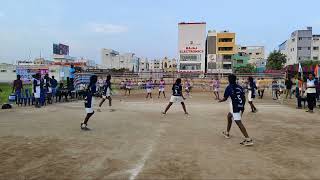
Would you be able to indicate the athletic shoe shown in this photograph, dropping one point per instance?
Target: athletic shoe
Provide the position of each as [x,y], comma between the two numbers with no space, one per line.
[309,111]
[186,113]
[164,113]
[247,142]
[82,125]
[226,135]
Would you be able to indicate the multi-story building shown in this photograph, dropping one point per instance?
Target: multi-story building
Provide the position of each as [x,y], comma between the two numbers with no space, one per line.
[112,59]
[301,46]
[255,53]
[315,52]
[169,65]
[240,59]
[143,65]
[155,66]
[261,65]
[191,44]
[226,47]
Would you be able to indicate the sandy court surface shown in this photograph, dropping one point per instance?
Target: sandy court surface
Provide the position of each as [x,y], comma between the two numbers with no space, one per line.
[136,142]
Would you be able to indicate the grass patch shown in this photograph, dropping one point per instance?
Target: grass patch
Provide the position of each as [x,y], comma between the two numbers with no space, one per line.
[7,90]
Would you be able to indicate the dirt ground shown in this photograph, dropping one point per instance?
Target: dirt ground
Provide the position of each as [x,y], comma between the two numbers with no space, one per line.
[134,141]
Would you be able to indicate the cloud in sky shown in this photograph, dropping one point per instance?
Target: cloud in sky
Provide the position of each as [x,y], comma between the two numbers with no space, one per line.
[107,28]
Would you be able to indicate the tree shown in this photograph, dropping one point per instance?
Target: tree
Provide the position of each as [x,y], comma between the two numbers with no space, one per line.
[310,63]
[248,68]
[276,60]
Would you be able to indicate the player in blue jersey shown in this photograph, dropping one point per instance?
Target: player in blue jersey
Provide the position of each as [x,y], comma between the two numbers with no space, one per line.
[177,96]
[237,103]
[91,90]
[106,92]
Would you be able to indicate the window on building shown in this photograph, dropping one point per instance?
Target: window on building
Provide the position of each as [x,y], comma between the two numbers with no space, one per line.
[316,48]
[3,70]
[225,48]
[300,38]
[190,66]
[243,48]
[227,66]
[250,53]
[299,48]
[190,57]
[309,48]
[257,53]
[240,61]
[14,71]
[225,39]
[212,65]
[293,40]
[227,57]
[315,57]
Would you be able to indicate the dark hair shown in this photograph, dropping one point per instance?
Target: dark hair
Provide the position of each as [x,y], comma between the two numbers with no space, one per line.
[93,79]
[250,79]
[178,81]
[52,77]
[109,77]
[18,76]
[232,79]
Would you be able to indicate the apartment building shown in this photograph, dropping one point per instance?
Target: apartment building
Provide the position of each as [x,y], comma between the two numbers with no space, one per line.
[254,53]
[226,48]
[301,46]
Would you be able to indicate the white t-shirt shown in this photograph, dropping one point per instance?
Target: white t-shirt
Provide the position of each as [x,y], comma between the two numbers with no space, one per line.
[311,88]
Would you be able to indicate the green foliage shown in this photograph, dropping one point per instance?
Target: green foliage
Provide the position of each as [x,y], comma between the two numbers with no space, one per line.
[310,63]
[276,60]
[6,91]
[248,68]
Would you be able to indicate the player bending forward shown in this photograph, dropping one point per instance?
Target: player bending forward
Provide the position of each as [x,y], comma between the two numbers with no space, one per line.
[91,90]
[106,93]
[237,103]
[177,96]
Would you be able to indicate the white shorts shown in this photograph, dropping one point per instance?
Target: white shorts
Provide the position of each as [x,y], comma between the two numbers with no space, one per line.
[250,99]
[37,93]
[161,89]
[236,116]
[90,110]
[128,87]
[176,99]
[149,90]
[108,94]
[216,89]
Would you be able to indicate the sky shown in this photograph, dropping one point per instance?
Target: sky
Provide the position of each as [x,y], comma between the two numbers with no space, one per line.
[148,28]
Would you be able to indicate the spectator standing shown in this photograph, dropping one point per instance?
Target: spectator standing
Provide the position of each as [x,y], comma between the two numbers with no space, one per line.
[311,92]
[17,88]
[54,85]
[288,84]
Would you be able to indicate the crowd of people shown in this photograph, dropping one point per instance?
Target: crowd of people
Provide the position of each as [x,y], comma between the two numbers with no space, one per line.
[44,90]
